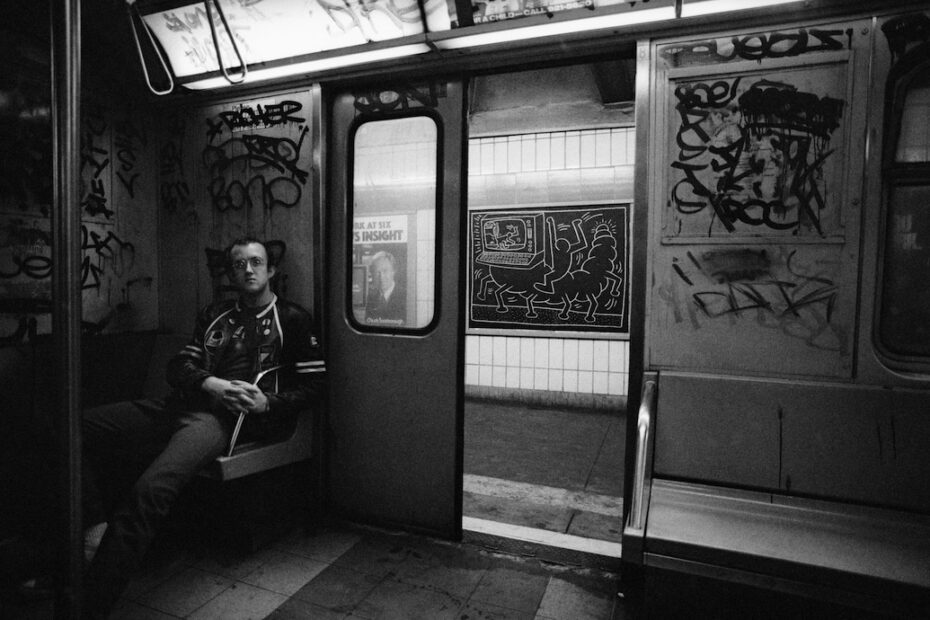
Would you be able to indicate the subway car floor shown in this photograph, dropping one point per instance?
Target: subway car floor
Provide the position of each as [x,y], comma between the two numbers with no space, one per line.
[531,468]
[349,572]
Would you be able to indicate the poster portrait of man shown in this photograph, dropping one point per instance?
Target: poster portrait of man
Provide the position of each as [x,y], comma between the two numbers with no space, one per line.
[387,297]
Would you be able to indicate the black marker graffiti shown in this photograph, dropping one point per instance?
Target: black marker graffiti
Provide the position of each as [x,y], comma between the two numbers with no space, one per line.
[30,250]
[95,159]
[260,117]
[257,152]
[129,138]
[112,251]
[754,156]
[276,158]
[233,195]
[403,98]
[757,47]
[745,283]
[31,255]
[173,190]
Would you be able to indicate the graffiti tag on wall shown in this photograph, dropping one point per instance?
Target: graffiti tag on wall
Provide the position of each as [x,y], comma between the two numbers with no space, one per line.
[174,192]
[770,288]
[257,156]
[757,46]
[757,155]
[404,97]
[95,166]
[27,252]
[549,268]
[129,142]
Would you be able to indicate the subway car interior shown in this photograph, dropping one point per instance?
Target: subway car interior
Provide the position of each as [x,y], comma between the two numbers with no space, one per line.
[618,304]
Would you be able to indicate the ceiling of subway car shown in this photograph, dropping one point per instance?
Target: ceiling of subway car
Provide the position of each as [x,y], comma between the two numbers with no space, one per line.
[110,61]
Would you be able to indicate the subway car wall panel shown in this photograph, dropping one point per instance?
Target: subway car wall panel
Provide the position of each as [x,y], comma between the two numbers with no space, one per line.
[237,167]
[843,442]
[758,304]
[756,251]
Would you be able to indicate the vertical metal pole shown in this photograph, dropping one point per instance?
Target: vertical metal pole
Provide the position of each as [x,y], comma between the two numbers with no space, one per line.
[66,296]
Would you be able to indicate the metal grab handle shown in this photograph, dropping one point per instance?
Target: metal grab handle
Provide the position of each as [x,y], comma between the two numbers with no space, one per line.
[232,41]
[241,419]
[130,6]
[643,428]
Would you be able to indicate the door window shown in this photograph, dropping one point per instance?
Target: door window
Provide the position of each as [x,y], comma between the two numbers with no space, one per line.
[393,197]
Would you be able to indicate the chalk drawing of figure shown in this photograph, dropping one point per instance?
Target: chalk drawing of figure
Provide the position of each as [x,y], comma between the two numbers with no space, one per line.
[560,252]
[597,273]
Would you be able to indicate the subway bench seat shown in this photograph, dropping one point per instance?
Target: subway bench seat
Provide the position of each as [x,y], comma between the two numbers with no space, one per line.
[132,366]
[783,499]
[783,555]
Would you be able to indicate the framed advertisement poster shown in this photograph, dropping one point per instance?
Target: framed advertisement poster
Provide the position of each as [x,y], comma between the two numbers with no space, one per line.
[379,274]
[562,268]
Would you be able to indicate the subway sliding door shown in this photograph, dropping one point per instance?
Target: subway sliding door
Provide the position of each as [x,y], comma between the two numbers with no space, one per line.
[394,305]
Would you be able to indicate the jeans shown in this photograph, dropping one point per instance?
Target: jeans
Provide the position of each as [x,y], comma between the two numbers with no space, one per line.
[138,456]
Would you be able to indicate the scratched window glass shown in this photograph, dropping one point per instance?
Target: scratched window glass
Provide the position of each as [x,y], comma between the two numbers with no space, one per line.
[904,327]
[393,275]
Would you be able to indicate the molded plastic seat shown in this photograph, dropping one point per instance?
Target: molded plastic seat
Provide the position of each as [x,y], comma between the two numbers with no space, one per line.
[251,458]
[248,458]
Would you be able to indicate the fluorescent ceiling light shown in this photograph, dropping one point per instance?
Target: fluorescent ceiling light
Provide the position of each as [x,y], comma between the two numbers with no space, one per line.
[707,7]
[613,20]
[315,66]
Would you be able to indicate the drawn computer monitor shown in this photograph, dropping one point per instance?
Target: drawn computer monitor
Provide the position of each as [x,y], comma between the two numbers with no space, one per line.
[515,241]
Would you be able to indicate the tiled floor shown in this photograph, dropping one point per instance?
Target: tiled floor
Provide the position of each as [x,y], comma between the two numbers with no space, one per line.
[343,572]
[569,461]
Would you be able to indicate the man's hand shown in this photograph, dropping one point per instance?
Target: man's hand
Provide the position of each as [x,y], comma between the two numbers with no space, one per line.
[260,402]
[235,396]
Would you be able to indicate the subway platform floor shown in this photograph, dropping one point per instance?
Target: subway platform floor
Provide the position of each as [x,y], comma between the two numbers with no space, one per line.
[550,475]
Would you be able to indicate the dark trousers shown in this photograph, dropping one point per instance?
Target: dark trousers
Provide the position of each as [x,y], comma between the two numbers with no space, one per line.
[138,456]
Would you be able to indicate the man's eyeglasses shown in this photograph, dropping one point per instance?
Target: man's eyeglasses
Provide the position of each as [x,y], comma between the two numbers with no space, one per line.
[241,264]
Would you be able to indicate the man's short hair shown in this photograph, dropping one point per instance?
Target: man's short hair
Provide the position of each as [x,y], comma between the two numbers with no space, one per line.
[246,241]
[386,256]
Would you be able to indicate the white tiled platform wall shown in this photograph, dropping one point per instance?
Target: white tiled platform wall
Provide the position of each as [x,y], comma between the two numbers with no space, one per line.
[560,370]
[557,167]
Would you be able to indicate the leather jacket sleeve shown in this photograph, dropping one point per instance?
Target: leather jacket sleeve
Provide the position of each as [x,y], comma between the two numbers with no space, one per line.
[186,370]
[302,381]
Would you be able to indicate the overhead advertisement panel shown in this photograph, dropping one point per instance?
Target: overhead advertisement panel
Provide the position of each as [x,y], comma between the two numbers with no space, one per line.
[270,30]
[488,11]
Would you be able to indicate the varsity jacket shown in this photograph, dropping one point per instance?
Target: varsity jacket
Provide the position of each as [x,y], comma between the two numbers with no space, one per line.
[232,341]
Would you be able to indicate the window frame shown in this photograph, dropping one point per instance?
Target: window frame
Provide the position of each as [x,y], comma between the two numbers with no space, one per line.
[358,122]
[895,174]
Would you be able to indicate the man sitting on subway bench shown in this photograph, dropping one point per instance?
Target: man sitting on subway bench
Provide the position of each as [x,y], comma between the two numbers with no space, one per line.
[165,442]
